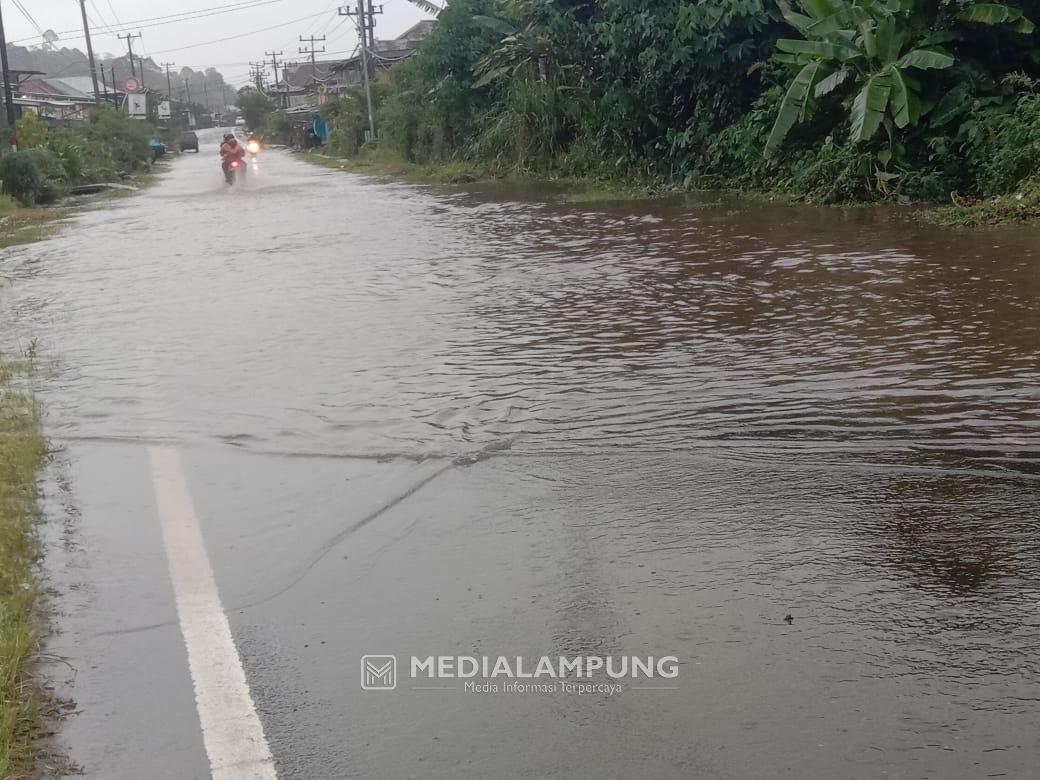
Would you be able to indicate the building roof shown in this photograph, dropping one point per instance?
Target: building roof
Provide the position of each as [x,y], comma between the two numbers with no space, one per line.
[301,75]
[82,83]
[52,88]
[417,31]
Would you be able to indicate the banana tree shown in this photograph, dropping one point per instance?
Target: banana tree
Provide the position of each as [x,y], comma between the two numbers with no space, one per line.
[877,48]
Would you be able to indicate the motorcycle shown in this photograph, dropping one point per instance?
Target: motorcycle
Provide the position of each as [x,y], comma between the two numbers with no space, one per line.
[236,169]
[253,148]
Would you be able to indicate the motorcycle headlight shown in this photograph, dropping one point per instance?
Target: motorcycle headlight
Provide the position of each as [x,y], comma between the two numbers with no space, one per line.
[253,147]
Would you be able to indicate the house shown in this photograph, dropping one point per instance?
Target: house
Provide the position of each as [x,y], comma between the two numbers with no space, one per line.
[303,84]
[50,98]
[384,54]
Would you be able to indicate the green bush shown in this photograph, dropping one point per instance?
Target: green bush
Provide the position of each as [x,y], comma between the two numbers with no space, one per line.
[117,139]
[22,177]
[55,179]
[31,131]
[33,176]
[72,153]
[1001,144]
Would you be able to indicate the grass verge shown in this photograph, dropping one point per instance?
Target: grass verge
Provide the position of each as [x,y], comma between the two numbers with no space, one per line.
[1023,205]
[380,162]
[21,455]
[22,225]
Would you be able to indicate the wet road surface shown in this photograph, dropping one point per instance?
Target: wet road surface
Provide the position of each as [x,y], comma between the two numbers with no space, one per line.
[503,421]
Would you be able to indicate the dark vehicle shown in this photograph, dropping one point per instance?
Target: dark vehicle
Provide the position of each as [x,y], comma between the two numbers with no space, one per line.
[189,141]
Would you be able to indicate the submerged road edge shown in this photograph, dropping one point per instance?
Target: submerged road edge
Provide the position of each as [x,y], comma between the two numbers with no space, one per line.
[231,729]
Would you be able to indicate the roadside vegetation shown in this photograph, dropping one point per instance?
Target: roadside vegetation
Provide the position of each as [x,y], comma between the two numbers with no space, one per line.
[21,225]
[108,146]
[832,101]
[21,455]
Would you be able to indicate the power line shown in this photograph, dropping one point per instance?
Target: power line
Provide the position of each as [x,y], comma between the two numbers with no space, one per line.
[99,15]
[327,9]
[28,16]
[240,35]
[156,21]
[113,10]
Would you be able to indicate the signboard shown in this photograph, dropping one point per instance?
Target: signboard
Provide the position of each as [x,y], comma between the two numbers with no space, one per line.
[164,109]
[131,85]
[137,105]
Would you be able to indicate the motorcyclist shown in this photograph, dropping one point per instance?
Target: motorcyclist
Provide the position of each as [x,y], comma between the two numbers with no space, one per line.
[231,150]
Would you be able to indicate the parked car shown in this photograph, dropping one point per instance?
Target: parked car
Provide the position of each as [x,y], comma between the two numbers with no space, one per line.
[189,141]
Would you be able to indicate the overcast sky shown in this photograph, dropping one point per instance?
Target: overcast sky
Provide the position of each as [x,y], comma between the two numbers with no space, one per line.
[254,26]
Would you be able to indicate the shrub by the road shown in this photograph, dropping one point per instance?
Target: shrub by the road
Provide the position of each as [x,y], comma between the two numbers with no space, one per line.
[21,454]
[113,137]
[33,176]
[834,101]
[102,148]
[21,177]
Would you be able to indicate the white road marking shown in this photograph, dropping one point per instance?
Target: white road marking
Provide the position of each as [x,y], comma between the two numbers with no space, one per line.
[231,729]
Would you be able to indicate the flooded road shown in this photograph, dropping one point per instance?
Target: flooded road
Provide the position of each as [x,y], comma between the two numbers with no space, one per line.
[429,421]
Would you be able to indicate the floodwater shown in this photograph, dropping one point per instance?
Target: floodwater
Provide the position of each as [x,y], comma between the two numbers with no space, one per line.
[493,420]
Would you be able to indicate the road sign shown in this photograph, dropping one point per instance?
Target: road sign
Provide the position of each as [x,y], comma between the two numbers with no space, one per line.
[131,85]
[137,105]
[164,109]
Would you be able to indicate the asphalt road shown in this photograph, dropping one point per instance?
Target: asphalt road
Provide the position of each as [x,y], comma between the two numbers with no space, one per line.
[318,416]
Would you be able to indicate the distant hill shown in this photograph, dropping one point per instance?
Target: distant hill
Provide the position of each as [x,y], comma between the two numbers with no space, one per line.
[58,63]
[53,62]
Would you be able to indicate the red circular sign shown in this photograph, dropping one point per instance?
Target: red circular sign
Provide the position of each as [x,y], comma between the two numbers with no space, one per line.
[131,85]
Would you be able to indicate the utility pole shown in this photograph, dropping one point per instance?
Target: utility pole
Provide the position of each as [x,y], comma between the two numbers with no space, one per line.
[169,89]
[365,23]
[104,84]
[372,24]
[8,97]
[311,50]
[274,55]
[115,88]
[187,91]
[256,73]
[90,48]
[129,38]
[205,88]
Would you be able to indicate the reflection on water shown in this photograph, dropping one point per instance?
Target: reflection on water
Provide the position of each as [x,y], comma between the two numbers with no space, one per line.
[843,405]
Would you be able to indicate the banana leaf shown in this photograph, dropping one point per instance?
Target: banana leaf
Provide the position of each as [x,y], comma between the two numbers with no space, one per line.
[923,59]
[820,9]
[868,109]
[494,24]
[825,49]
[889,40]
[832,82]
[952,105]
[850,16]
[997,13]
[797,103]
[906,105]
